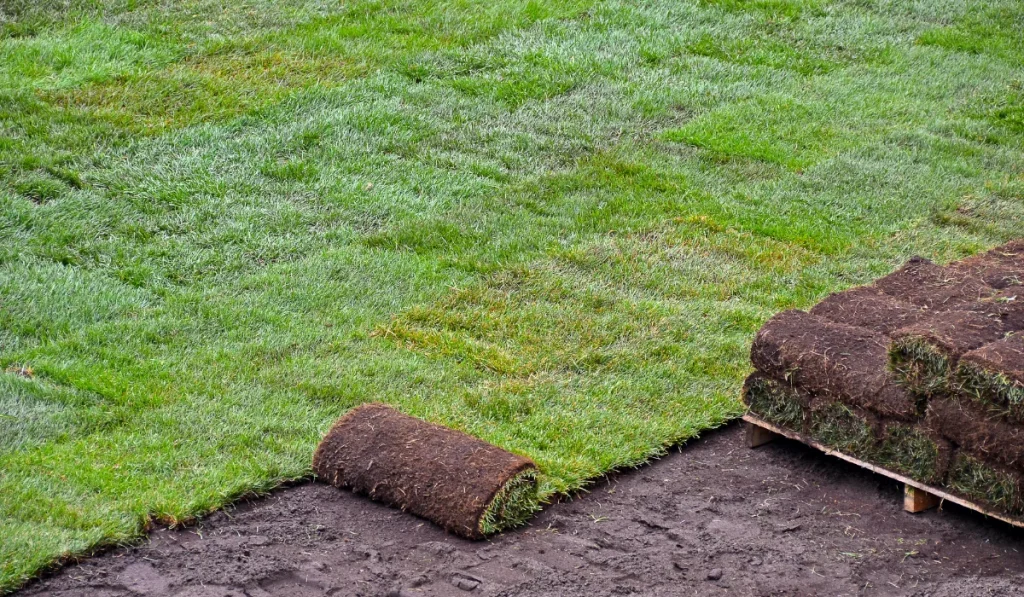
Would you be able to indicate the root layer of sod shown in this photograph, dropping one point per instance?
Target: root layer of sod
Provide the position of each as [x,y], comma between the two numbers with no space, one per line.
[463,484]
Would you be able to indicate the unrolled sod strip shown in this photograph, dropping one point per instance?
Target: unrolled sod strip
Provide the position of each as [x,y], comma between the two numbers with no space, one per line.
[465,485]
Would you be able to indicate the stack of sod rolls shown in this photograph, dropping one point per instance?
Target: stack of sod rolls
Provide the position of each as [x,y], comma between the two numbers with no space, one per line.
[921,373]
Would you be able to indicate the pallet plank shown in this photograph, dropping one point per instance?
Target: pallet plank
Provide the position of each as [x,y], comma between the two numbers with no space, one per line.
[935,492]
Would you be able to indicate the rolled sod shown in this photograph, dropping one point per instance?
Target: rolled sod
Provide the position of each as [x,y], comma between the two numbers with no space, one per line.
[1001,267]
[894,445]
[868,307]
[776,402]
[914,451]
[993,375]
[924,355]
[934,287]
[977,431]
[463,484]
[850,430]
[832,360]
[985,483]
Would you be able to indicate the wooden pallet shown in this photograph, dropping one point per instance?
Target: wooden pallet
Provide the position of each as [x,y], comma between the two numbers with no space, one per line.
[917,496]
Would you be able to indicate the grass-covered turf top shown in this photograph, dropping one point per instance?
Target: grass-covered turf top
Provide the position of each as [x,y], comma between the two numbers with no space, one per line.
[554,225]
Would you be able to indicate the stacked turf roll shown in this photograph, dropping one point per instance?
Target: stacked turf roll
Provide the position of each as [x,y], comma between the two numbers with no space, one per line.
[921,373]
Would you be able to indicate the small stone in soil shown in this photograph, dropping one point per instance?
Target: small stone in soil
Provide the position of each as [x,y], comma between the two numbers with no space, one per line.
[465,584]
[715,574]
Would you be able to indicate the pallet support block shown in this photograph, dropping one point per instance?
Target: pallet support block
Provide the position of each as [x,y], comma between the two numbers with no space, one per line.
[918,500]
[759,436]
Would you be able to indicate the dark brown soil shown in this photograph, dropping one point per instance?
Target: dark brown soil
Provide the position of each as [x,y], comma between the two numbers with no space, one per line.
[989,438]
[1007,305]
[714,518]
[833,360]
[443,475]
[870,308]
[925,284]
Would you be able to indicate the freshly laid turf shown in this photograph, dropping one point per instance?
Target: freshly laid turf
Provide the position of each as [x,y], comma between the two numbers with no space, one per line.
[552,225]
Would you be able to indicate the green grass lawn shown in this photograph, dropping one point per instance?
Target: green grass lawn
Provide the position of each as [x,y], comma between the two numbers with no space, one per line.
[555,225]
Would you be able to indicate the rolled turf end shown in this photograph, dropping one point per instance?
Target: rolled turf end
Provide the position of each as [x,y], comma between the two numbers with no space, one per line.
[893,445]
[919,365]
[463,484]
[844,428]
[775,402]
[914,452]
[981,482]
[992,388]
[513,505]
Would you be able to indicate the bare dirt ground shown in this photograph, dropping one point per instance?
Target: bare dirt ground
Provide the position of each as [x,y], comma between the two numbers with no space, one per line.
[712,518]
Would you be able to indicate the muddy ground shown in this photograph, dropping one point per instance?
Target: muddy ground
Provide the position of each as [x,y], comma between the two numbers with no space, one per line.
[712,518]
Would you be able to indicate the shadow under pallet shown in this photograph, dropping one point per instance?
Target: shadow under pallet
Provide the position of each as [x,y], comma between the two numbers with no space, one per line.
[917,496]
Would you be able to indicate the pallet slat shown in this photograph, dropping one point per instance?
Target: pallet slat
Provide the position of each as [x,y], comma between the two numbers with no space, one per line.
[913,489]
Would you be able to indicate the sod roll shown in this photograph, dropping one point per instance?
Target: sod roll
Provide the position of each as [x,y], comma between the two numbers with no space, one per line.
[985,483]
[977,432]
[831,360]
[869,308]
[465,485]
[934,287]
[776,402]
[924,355]
[993,375]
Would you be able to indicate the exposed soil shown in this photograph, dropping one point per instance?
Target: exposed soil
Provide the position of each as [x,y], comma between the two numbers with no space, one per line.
[714,518]
[438,473]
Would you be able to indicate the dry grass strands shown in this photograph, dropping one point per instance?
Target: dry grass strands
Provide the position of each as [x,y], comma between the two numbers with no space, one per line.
[1001,267]
[469,487]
